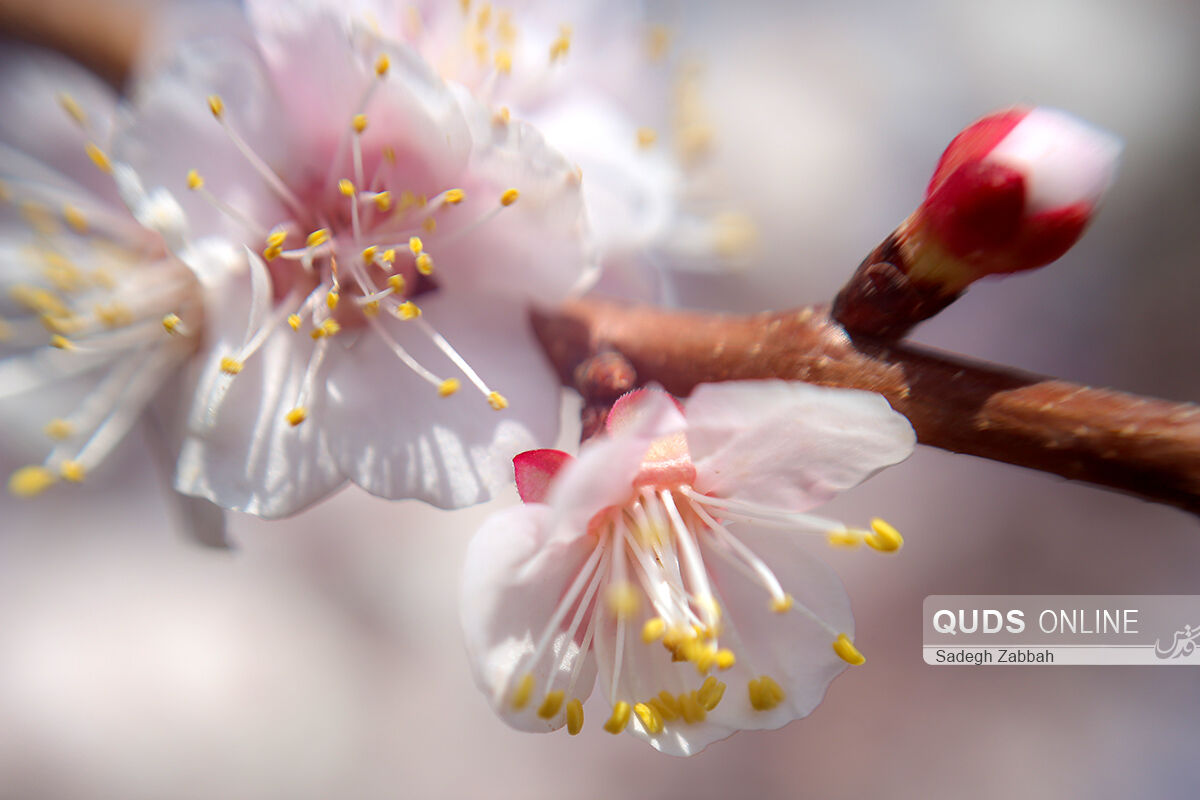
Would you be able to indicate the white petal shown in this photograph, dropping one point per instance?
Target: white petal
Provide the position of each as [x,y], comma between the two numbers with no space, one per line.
[788,444]
[244,455]
[789,647]
[514,576]
[394,436]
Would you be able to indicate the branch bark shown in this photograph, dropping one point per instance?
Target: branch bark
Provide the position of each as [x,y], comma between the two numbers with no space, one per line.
[1143,446]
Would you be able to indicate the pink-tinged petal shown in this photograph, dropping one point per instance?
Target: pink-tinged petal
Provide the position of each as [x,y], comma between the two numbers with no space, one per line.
[238,449]
[790,445]
[514,576]
[535,470]
[790,647]
[633,410]
[396,437]
[605,471]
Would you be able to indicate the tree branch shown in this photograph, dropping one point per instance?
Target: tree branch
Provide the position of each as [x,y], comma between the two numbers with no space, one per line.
[1143,446]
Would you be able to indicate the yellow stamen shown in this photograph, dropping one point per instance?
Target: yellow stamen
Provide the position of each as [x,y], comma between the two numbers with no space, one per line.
[317,238]
[560,46]
[329,327]
[231,366]
[654,629]
[296,416]
[725,659]
[846,538]
[710,693]
[388,256]
[502,116]
[346,187]
[691,709]
[272,253]
[523,692]
[886,539]
[294,321]
[671,709]
[368,254]
[359,123]
[416,245]
[276,239]
[574,716]
[622,600]
[661,709]
[646,137]
[171,323]
[331,300]
[58,428]
[73,108]
[650,720]
[454,196]
[782,604]
[381,65]
[396,283]
[509,197]
[61,342]
[194,180]
[98,157]
[425,264]
[551,704]
[847,651]
[72,471]
[383,201]
[497,401]
[448,387]
[216,105]
[619,719]
[75,218]
[371,308]
[30,481]
[503,62]
[408,310]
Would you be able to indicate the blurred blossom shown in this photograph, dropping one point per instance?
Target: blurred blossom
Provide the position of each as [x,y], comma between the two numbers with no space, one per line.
[388,233]
[95,313]
[651,562]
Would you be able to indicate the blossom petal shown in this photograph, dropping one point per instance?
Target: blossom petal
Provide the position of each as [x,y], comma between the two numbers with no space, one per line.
[243,454]
[535,470]
[791,648]
[394,436]
[790,445]
[514,577]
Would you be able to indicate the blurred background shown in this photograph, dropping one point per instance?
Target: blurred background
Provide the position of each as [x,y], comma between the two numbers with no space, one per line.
[322,657]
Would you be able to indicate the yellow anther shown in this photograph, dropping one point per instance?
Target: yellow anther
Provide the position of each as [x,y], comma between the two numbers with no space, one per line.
[503,62]
[194,180]
[551,704]
[560,46]
[396,283]
[171,323]
[502,116]
[75,218]
[448,387]
[497,401]
[317,238]
[294,321]
[671,708]
[61,342]
[849,537]
[847,651]
[650,720]
[772,690]
[98,157]
[114,315]
[619,719]
[389,255]
[346,187]
[389,155]
[509,197]
[359,123]
[646,137]
[272,253]
[72,471]
[30,481]
[622,600]
[654,629]
[368,254]
[574,716]
[296,415]
[765,693]
[72,107]
[231,366]
[329,327]
[331,300]
[383,201]
[710,693]
[276,239]
[454,196]
[416,245]
[429,224]
[661,709]
[465,5]
[524,691]
[371,308]
[216,105]
[691,709]
[408,310]
[381,65]
[782,604]
[58,428]
[484,17]
[725,659]
[886,539]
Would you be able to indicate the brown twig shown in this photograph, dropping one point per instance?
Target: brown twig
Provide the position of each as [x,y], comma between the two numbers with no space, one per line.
[1143,446]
